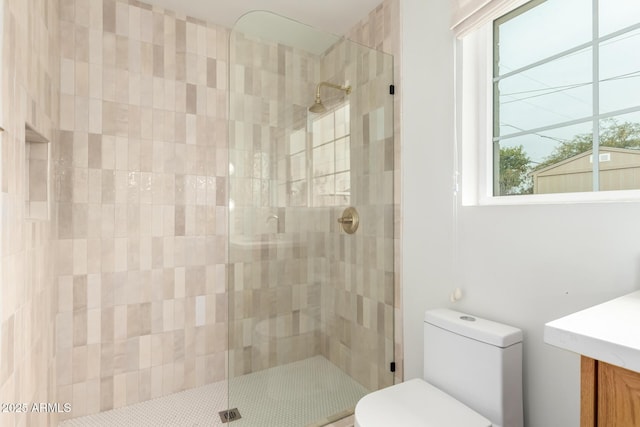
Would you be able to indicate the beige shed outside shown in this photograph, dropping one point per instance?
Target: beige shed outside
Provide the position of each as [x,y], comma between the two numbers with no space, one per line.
[619,170]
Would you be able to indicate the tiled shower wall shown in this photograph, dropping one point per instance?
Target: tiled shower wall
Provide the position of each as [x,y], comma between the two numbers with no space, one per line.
[30,81]
[141,204]
[137,180]
[357,295]
[300,285]
[380,30]
[274,301]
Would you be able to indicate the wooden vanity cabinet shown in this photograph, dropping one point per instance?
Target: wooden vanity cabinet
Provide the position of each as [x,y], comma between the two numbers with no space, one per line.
[609,395]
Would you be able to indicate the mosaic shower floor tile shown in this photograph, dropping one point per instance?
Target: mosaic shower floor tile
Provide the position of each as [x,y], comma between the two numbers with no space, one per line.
[306,393]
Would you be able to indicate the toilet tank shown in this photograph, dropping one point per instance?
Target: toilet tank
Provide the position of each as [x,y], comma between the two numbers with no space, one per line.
[477,361]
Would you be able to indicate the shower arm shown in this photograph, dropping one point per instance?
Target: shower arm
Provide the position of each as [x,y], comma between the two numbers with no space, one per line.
[347,89]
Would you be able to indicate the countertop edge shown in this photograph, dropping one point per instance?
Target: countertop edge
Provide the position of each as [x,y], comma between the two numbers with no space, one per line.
[562,334]
[608,352]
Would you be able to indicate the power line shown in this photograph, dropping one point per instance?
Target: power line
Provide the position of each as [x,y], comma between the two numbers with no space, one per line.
[571,86]
[535,133]
[543,94]
[556,89]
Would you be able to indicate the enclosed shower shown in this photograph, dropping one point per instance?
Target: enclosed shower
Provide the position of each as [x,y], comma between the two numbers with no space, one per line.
[310,155]
[223,210]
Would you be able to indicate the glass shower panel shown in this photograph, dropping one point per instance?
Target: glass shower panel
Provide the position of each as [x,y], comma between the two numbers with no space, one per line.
[310,307]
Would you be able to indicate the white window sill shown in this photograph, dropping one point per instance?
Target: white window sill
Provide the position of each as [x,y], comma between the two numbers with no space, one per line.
[621,196]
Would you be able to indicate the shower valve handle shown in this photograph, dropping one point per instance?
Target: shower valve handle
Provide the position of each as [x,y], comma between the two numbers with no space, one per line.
[349,220]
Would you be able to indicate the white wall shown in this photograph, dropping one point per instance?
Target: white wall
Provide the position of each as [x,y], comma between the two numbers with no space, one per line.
[521,265]
[427,164]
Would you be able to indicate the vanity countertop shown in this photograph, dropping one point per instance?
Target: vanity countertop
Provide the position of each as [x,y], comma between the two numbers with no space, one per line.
[609,332]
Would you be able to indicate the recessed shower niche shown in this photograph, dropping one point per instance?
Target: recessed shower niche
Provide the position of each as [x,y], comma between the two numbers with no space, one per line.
[36,175]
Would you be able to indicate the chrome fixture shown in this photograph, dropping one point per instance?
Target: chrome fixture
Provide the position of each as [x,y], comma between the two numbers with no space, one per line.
[318,106]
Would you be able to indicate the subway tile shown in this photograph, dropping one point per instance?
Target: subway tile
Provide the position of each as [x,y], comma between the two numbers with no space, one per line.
[82,44]
[120,390]
[133,354]
[80,220]
[67,112]
[79,256]
[93,365]
[67,76]
[133,320]
[80,293]
[95,44]
[134,30]
[93,397]
[79,404]
[109,16]
[108,255]
[67,10]
[108,161]
[94,150]
[158,28]
[146,26]
[144,354]
[106,393]
[79,364]
[122,53]
[122,19]
[65,220]
[132,388]
[167,378]
[94,329]
[145,318]
[67,40]
[145,158]
[212,72]
[156,381]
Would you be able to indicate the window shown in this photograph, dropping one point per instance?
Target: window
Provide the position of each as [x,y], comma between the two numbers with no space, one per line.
[328,154]
[565,97]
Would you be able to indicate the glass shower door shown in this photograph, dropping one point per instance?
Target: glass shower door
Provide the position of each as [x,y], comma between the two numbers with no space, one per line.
[310,306]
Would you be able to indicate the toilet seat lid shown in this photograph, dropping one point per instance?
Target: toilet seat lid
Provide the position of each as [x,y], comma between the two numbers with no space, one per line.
[415,403]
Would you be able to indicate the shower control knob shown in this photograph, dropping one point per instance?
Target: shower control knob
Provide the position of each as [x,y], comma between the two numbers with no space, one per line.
[349,220]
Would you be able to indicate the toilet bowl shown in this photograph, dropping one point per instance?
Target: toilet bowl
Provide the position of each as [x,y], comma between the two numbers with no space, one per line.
[472,378]
[415,403]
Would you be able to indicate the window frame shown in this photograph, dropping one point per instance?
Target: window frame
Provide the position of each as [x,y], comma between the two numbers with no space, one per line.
[309,151]
[475,126]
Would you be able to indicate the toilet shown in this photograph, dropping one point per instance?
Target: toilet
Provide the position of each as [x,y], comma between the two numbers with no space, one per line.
[472,378]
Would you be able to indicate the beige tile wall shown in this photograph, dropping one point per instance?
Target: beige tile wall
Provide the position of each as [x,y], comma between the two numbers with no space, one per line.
[357,306]
[141,204]
[380,30]
[30,88]
[139,172]
[326,292]
[274,302]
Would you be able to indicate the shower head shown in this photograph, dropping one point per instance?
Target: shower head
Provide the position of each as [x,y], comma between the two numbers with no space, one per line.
[318,106]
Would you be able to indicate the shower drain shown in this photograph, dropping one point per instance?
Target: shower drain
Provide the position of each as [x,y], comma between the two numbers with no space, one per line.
[230,415]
